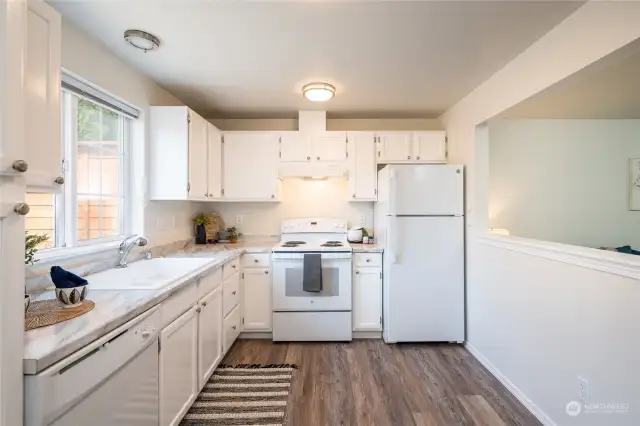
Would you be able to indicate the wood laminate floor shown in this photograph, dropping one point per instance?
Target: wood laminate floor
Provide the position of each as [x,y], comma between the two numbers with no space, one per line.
[367,382]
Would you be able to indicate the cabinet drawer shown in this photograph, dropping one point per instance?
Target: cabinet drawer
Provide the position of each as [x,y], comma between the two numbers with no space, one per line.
[368,259]
[256,260]
[209,282]
[230,268]
[230,329]
[230,293]
[178,304]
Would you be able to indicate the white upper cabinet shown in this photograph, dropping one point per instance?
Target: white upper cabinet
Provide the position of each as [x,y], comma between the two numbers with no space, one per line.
[214,167]
[362,168]
[329,147]
[294,147]
[181,153]
[197,157]
[412,147]
[43,151]
[430,146]
[251,166]
[394,147]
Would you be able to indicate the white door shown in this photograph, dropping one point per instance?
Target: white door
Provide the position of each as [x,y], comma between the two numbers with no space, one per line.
[367,299]
[394,147]
[209,335]
[430,147]
[197,157]
[214,162]
[363,172]
[330,147]
[256,305]
[294,147]
[12,191]
[251,166]
[178,368]
[424,280]
[42,95]
[426,189]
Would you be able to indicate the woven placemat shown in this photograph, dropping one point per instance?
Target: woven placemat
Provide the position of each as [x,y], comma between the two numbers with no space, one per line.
[48,312]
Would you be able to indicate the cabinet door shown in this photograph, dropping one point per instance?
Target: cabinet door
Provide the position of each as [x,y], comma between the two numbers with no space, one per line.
[330,147]
[214,162]
[251,166]
[363,171]
[294,147]
[178,368]
[209,335]
[197,157]
[430,147]
[230,329]
[256,299]
[43,146]
[367,299]
[394,147]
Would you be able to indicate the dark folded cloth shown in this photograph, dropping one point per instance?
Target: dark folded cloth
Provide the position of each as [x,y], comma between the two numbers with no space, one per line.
[312,272]
[627,250]
[65,279]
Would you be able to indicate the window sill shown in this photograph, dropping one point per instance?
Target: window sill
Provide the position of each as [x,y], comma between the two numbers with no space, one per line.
[621,264]
[70,252]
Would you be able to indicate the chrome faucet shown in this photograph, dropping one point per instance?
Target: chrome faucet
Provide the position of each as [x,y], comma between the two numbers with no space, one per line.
[126,246]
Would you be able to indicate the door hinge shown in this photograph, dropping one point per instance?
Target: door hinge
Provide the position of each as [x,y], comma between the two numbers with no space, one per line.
[242,321]
[380,320]
[446,147]
[280,154]
[243,275]
[159,344]
[188,187]
[378,153]
[188,118]
[222,191]
[375,191]
[222,139]
[380,275]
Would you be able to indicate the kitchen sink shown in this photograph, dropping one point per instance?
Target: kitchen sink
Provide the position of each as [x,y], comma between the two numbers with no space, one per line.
[148,274]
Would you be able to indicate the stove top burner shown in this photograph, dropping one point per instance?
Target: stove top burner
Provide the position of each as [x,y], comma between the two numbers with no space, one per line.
[290,245]
[332,244]
[294,242]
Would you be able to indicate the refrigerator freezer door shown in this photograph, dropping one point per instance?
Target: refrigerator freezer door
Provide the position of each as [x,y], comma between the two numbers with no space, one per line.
[429,190]
[424,280]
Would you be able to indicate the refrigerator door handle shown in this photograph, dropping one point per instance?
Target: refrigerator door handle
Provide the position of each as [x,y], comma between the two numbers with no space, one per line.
[392,237]
[392,191]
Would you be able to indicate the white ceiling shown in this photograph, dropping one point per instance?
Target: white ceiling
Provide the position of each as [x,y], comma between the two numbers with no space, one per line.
[387,59]
[607,89]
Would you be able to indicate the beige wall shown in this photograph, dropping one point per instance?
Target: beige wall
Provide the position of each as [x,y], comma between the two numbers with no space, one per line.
[365,124]
[160,221]
[519,305]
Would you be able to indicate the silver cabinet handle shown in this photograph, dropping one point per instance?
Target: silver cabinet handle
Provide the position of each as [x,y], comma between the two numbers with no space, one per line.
[266,272]
[357,272]
[234,327]
[233,266]
[354,196]
[204,303]
[59,180]
[22,208]
[408,157]
[418,157]
[308,158]
[20,166]
[233,293]
[255,260]
[368,260]
[317,158]
[146,334]
[273,196]
[199,310]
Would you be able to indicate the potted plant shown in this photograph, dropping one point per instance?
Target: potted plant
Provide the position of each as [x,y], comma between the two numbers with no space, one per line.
[31,243]
[200,221]
[234,234]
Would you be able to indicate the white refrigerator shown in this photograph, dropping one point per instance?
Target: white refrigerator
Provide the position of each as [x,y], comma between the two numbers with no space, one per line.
[419,220]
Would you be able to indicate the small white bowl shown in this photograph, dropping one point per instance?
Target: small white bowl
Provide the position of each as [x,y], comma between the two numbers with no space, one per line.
[72,297]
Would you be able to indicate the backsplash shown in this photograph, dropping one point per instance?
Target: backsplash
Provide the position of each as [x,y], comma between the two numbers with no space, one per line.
[301,198]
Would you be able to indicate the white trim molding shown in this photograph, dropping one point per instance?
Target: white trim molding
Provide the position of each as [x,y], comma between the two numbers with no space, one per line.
[621,264]
[520,396]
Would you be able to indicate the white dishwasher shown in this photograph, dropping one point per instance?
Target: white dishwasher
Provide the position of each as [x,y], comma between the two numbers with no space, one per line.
[111,382]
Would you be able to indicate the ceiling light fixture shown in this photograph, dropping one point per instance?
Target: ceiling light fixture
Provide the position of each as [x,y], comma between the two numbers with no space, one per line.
[141,40]
[318,92]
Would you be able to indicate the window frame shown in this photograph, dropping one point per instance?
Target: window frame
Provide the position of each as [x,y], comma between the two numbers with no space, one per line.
[66,199]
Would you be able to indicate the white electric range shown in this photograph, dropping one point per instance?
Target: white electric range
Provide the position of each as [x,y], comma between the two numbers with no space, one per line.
[323,315]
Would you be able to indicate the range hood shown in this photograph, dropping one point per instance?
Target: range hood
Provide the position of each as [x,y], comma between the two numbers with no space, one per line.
[312,126]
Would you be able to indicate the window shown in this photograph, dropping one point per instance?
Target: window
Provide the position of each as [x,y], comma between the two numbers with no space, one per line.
[93,204]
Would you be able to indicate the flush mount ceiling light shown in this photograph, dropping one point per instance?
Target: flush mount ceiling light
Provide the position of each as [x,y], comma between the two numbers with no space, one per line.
[141,40]
[318,92]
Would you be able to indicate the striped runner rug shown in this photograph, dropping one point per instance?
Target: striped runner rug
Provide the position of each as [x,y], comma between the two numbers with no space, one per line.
[243,395]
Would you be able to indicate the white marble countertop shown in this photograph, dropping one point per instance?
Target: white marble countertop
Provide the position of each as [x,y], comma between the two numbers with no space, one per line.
[45,346]
[366,248]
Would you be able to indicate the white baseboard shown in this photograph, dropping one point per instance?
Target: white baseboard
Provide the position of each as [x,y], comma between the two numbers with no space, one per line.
[366,335]
[520,396]
[256,335]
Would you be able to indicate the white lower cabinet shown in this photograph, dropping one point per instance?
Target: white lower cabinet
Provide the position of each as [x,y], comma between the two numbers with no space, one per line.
[209,335]
[367,298]
[178,365]
[256,299]
[231,328]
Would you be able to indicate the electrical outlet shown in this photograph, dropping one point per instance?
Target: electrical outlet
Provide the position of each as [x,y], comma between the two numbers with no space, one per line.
[363,219]
[238,219]
[584,390]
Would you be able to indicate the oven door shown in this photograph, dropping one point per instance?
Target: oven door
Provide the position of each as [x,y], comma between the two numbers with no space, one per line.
[288,294]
